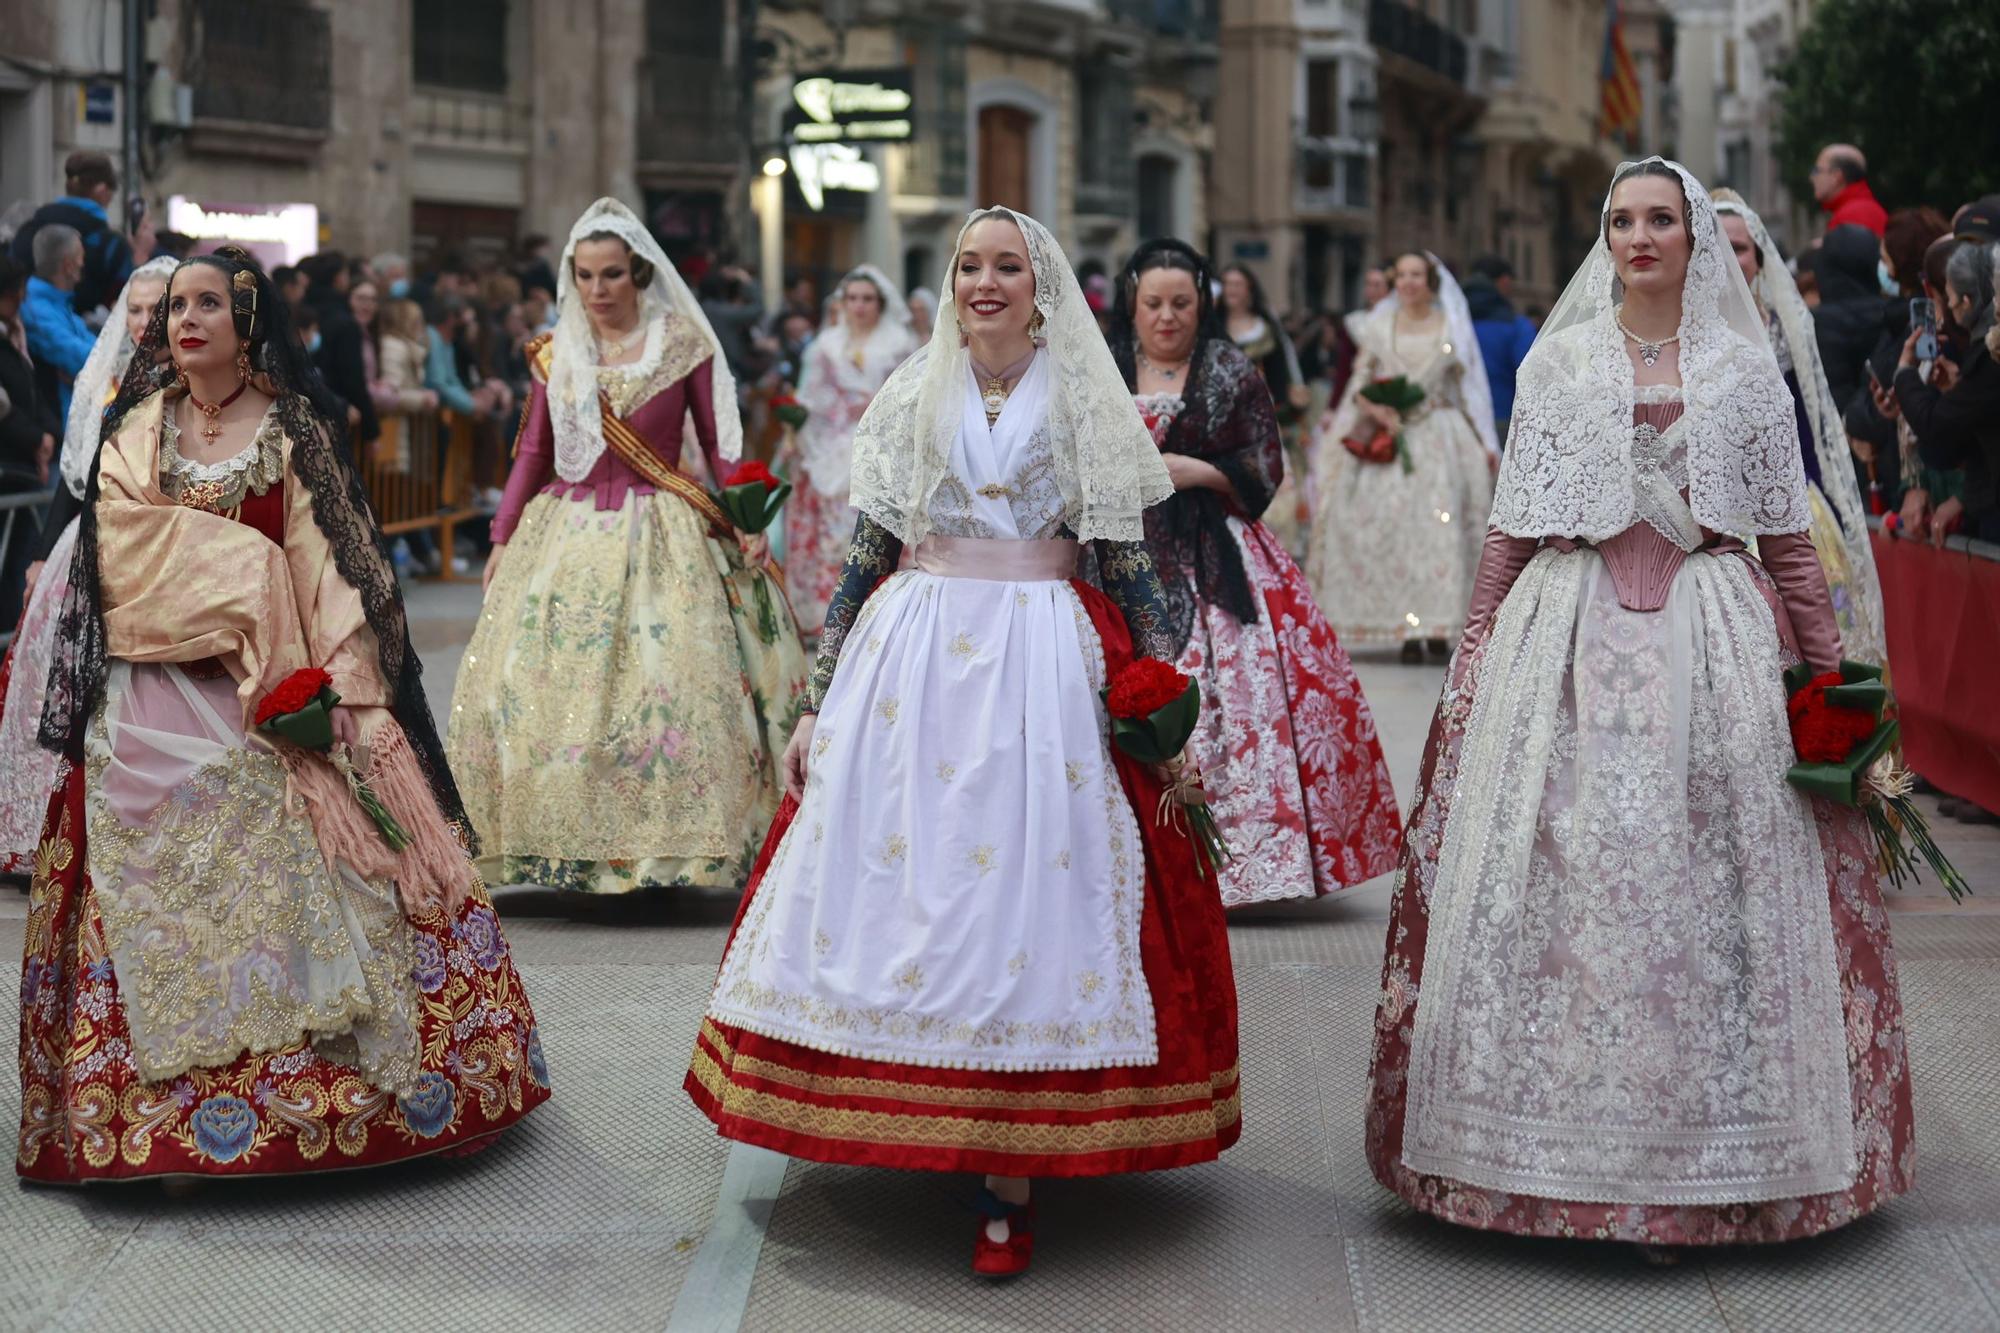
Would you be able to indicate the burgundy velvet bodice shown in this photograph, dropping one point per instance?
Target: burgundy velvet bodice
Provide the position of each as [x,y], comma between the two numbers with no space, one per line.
[657,421]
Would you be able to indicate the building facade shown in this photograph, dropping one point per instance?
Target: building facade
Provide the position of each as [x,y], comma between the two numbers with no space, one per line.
[418,126]
[1091,115]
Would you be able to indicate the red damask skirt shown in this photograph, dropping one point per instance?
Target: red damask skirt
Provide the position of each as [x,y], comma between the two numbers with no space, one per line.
[1185,1109]
[86,1114]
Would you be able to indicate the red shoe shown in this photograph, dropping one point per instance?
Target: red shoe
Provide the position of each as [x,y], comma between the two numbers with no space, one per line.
[1009,1257]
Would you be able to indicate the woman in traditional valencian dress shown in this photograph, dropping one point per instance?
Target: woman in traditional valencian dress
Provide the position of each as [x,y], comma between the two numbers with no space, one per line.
[1839,519]
[1396,538]
[228,970]
[627,693]
[27,771]
[1247,318]
[1638,986]
[1286,745]
[969,946]
[845,367]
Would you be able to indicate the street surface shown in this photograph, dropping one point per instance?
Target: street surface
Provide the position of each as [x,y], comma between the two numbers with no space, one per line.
[616,1206]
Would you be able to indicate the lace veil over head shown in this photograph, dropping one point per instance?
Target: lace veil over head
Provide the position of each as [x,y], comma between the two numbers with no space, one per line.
[894,325]
[1461,344]
[103,368]
[573,386]
[1106,463]
[1568,469]
[1779,295]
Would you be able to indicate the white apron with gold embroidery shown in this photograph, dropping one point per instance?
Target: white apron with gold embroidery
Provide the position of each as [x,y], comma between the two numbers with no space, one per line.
[963,882]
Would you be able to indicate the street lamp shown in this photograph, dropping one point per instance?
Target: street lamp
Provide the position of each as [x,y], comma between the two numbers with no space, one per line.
[774,166]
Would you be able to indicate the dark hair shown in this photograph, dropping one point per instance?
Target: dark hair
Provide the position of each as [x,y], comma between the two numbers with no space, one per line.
[323,268]
[1257,301]
[283,274]
[89,169]
[642,267]
[1180,257]
[1650,167]
[1936,255]
[1432,277]
[1908,234]
[307,317]
[1492,268]
[443,307]
[13,277]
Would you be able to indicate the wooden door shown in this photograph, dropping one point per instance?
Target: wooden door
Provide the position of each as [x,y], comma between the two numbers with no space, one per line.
[1003,156]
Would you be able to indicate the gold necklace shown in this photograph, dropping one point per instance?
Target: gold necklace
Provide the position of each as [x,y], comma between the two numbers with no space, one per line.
[614,347]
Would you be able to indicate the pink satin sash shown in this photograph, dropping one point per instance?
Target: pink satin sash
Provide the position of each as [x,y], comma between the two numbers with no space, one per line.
[999,560]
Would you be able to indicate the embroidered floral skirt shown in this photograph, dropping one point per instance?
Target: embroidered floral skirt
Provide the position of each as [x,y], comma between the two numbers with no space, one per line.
[806,1098]
[1690,1044]
[1393,552]
[241,1009]
[27,770]
[624,702]
[817,530]
[1287,745]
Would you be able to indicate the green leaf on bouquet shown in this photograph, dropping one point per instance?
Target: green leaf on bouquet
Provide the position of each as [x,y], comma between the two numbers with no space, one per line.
[311,727]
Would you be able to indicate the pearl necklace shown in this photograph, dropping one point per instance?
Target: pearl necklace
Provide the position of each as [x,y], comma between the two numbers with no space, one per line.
[1649,352]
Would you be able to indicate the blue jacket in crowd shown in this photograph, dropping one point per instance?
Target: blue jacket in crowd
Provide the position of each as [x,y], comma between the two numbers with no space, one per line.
[441,374]
[107,256]
[1505,335]
[58,339]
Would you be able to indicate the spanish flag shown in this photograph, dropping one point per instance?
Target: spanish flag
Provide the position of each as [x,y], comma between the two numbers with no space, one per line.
[1618,81]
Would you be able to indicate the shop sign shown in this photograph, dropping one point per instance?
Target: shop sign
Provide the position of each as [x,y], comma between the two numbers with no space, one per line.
[819,167]
[852,106]
[275,233]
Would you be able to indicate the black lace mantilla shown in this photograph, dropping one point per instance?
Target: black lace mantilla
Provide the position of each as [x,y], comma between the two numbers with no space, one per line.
[312,420]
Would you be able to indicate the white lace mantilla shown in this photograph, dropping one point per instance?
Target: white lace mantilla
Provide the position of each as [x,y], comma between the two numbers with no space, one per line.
[1105,460]
[1568,466]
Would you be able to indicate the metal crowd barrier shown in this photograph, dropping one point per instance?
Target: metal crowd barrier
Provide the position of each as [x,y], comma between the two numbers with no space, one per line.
[420,475]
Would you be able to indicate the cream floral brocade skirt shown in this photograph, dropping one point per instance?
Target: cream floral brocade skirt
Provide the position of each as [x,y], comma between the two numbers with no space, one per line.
[624,702]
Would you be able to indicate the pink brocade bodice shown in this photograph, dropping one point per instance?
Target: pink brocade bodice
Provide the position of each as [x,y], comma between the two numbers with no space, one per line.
[1642,560]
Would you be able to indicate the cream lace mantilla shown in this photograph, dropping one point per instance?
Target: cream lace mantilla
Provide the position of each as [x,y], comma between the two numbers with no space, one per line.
[1106,463]
[1569,469]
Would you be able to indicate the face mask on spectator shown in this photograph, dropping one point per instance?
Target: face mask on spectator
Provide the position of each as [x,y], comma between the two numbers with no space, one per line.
[312,343]
[399,289]
[1886,278]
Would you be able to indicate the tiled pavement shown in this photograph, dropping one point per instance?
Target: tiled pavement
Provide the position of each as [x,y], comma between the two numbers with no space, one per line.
[594,1212]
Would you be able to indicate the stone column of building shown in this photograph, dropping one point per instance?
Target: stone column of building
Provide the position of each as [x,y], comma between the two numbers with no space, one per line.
[1251,201]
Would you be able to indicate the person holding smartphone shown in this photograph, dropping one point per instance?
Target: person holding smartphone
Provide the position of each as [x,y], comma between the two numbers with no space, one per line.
[1955,416]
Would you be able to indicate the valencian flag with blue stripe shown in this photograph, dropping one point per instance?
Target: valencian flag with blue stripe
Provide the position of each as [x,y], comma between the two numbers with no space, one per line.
[1618,82]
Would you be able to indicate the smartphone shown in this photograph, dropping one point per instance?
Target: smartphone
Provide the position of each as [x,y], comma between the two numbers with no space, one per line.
[1923,318]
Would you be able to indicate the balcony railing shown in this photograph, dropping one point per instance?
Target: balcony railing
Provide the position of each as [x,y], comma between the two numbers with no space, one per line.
[1407,32]
[261,63]
[689,111]
[462,117]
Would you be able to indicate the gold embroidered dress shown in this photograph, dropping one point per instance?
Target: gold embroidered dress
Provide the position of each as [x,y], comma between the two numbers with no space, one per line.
[219,977]
[632,682]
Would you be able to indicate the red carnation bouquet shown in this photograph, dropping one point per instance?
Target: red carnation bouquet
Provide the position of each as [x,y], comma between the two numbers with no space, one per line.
[789,410]
[300,712]
[1153,711]
[752,494]
[1844,740]
[1383,445]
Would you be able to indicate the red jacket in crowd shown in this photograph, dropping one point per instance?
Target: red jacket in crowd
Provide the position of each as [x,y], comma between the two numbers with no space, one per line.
[1856,203]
